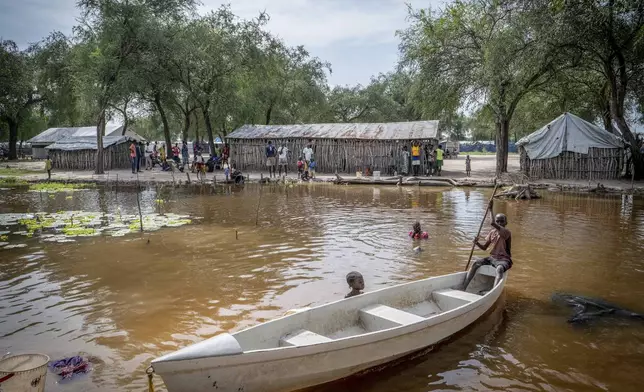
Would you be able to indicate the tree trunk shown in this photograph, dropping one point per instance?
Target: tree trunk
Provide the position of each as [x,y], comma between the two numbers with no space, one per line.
[196,126]
[125,121]
[100,131]
[502,138]
[636,156]
[166,126]
[186,127]
[211,139]
[13,138]
[268,114]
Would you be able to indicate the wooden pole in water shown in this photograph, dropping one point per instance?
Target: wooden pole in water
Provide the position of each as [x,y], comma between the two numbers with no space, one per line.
[236,235]
[258,204]
[487,209]
[138,202]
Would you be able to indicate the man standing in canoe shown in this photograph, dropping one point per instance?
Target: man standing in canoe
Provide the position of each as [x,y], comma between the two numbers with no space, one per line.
[500,256]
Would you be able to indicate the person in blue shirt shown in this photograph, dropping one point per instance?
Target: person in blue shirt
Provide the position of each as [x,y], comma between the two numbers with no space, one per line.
[271,152]
[312,167]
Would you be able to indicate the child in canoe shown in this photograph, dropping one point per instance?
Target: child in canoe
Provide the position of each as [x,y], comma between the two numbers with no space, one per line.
[417,233]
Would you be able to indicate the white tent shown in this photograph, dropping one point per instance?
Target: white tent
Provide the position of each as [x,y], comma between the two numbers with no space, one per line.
[567,133]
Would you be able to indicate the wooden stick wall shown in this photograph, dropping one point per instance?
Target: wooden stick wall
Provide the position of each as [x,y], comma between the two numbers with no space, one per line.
[344,156]
[598,164]
[114,157]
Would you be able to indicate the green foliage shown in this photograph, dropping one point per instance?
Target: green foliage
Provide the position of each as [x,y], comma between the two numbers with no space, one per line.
[11,181]
[54,187]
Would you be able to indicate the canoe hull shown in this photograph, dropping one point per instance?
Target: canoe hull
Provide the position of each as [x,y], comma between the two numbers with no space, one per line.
[301,367]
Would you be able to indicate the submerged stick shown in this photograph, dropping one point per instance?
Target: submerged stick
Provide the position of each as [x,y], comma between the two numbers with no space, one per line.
[487,209]
[258,204]
[138,202]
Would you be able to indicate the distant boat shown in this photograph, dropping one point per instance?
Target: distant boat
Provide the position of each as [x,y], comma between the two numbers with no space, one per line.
[332,341]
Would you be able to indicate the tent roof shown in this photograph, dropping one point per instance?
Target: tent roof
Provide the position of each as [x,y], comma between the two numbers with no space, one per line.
[567,133]
[420,130]
[53,135]
[86,143]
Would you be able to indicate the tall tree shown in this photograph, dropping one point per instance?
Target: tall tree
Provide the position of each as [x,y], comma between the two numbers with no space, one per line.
[477,52]
[18,92]
[212,51]
[610,36]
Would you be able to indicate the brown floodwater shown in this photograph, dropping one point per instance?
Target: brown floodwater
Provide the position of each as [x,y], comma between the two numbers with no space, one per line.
[126,300]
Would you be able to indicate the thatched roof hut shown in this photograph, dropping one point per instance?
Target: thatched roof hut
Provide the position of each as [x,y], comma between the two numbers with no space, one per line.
[345,147]
[79,153]
[571,148]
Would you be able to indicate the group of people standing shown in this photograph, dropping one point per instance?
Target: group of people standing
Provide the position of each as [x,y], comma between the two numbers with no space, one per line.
[277,159]
[433,159]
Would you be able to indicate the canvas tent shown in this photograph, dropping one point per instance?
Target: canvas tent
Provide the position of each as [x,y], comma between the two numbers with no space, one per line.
[345,147]
[571,148]
[53,135]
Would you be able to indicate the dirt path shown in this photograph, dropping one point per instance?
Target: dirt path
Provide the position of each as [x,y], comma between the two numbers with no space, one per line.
[483,173]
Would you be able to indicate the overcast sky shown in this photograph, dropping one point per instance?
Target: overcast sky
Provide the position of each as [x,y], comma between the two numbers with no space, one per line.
[356,36]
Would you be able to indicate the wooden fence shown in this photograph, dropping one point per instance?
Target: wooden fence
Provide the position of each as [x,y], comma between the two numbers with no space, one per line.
[114,157]
[331,155]
[598,164]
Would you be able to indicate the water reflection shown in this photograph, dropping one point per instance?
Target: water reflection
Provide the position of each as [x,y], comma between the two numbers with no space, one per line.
[127,300]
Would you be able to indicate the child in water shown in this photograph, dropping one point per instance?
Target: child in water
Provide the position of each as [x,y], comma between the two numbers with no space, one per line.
[468,165]
[355,282]
[417,233]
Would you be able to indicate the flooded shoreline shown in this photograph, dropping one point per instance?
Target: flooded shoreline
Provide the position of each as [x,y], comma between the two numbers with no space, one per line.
[126,300]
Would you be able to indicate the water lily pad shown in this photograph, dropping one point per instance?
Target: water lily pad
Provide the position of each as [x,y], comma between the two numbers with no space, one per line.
[14,246]
[55,227]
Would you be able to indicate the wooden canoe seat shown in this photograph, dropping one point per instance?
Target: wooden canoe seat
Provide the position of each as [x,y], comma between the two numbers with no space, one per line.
[378,317]
[303,337]
[486,270]
[449,299]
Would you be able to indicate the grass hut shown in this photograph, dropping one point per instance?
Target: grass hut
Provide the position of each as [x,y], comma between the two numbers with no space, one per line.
[571,148]
[342,147]
[79,153]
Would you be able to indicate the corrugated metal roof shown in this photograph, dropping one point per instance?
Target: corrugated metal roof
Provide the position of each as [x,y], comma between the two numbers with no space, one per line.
[368,131]
[86,143]
[53,135]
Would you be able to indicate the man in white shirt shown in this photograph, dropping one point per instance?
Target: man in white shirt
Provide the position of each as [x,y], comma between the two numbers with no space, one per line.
[308,153]
[282,160]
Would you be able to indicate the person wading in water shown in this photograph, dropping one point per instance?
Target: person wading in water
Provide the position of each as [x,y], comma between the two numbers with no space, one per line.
[500,256]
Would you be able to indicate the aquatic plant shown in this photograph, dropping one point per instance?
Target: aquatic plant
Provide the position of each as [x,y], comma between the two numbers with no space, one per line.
[63,226]
[54,187]
[12,181]
[78,231]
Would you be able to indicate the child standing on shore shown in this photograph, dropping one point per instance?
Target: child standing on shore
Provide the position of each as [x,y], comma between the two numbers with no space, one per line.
[300,167]
[468,165]
[312,166]
[48,167]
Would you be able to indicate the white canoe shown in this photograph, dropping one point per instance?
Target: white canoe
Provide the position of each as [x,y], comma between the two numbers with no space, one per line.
[332,341]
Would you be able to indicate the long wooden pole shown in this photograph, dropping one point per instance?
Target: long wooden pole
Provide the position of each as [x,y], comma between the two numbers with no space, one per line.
[487,209]
[258,204]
